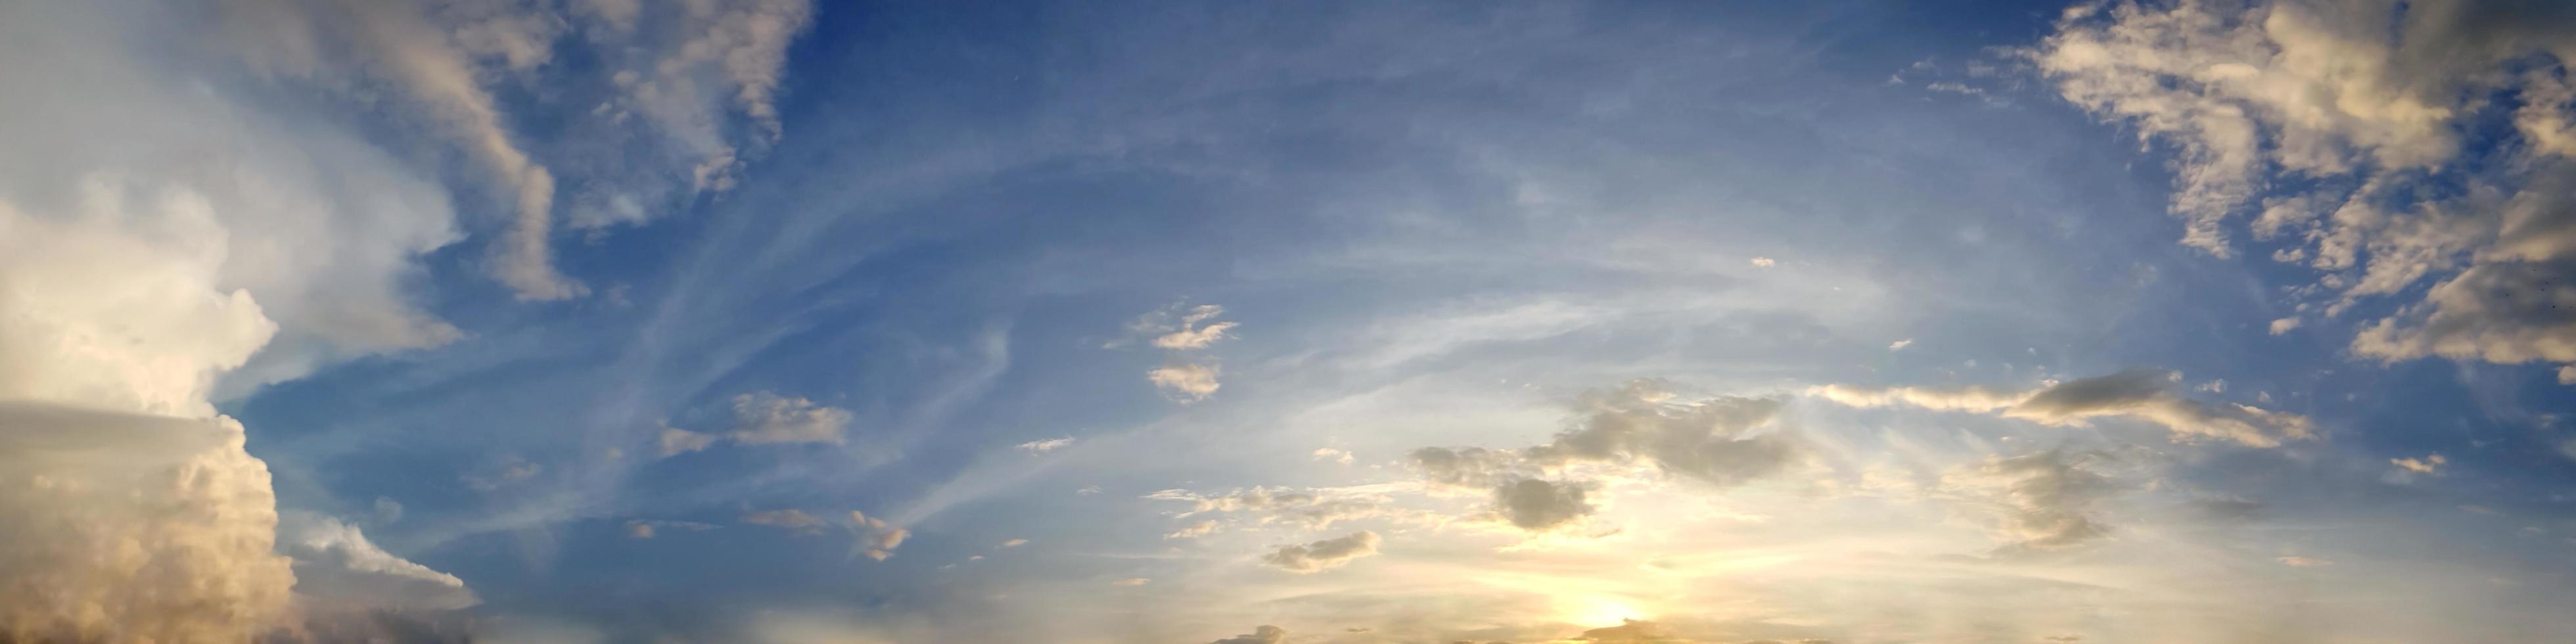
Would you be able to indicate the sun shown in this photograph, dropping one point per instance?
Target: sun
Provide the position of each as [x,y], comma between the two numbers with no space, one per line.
[1597,610]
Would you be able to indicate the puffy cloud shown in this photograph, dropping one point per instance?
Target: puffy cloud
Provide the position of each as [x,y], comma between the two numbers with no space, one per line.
[1763,262]
[1265,634]
[1711,440]
[1341,456]
[2339,125]
[1048,445]
[1185,381]
[2142,394]
[2429,465]
[2045,497]
[1900,345]
[876,539]
[337,567]
[1182,331]
[1536,505]
[127,527]
[765,418]
[1321,555]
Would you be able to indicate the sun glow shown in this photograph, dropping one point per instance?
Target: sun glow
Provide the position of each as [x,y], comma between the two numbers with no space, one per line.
[1597,610]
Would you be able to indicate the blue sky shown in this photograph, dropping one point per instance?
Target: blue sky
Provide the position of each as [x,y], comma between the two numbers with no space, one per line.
[1346,323]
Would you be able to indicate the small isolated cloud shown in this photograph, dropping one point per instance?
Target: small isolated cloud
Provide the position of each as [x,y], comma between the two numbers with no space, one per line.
[647,529]
[1014,543]
[1184,332]
[789,519]
[1266,634]
[1764,262]
[2305,562]
[876,539]
[388,510]
[1131,581]
[2284,325]
[2046,497]
[1044,446]
[1335,455]
[2142,394]
[2567,375]
[1900,345]
[1186,382]
[765,418]
[2430,465]
[1325,554]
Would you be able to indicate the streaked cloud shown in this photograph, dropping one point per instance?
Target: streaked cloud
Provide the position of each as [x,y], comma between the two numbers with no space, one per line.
[1323,555]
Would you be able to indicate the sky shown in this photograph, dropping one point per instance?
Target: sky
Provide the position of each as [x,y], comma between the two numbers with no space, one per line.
[783,322]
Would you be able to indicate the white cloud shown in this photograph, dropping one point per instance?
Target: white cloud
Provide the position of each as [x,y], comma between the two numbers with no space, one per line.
[1314,509]
[1014,543]
[1044,446]
[1177,329]
[2330,120]
[1325,554]
[1336,455]
[1186,382]
[337,567]
[1763,262]
[1900,345]
[2430,465]
[2142,394]
[876,539]
[2567,375]
[765,418]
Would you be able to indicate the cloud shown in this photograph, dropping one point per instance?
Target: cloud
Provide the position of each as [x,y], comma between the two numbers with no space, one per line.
[1178,330]
[1044,446]
[2429,465]
[1710,440]
[1314,509]
[1187,382]
[1266,634]
[2339,126]
[1763,262]
[647,529]
[1014,543]
[1336,455]
[1131,581]
[1325,554]
[2045,497]
[126,526]
[765,418]
[1537,505]
[1900,345]
[1203,527]
[2305,562]
[439,63]
[790,519]
[338,568]
[2142,394]
[2284,325]
[876,539]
